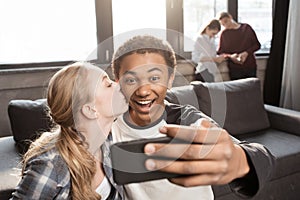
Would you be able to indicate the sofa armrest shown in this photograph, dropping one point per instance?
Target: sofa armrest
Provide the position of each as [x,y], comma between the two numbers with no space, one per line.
[284,119]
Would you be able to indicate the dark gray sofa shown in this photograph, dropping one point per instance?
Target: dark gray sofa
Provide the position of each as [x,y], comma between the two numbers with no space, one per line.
[235,105]
[238,107]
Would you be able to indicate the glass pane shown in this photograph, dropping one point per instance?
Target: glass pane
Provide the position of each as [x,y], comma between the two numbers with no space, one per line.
[196,14]
[258,14]
[45,31]
[148,16]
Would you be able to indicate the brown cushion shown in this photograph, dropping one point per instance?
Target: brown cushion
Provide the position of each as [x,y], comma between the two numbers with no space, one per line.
[236,105]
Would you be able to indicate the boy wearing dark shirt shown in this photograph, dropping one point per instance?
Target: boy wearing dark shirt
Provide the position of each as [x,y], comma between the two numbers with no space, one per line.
[238,42]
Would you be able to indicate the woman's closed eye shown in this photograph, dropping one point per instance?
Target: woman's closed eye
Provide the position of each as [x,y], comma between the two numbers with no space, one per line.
[109,84]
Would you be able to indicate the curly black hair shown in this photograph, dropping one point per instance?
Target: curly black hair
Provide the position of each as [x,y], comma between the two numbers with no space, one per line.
[144,44]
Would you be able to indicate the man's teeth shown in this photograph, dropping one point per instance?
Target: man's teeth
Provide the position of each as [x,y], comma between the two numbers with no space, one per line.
[144,102]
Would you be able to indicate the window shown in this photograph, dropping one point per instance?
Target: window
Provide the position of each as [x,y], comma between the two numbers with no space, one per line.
[258,14]
[45,31]
[197,14]
[133,17]
[34,31]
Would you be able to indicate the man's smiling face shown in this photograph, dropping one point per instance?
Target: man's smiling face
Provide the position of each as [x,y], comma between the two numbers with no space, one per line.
[144,81]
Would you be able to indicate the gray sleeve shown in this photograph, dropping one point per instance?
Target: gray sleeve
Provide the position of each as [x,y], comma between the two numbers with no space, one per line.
[261,161]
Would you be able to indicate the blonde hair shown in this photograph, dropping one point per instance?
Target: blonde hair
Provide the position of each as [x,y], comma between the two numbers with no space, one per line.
[67,93]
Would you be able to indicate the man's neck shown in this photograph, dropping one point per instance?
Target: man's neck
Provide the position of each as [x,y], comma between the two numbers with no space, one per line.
[142,121]
[235,25]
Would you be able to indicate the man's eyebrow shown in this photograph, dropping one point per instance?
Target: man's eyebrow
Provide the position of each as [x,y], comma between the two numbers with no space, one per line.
[150,70]
[130,72]
[155,69]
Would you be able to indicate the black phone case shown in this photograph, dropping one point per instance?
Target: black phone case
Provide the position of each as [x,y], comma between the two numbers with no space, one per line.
[128,161]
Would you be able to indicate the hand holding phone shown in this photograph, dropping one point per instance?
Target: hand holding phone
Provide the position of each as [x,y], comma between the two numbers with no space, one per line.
[128,161]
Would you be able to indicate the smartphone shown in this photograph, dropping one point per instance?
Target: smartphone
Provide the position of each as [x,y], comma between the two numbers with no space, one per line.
[128,161]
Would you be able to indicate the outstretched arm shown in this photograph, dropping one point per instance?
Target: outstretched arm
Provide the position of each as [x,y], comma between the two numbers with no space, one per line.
[213,158]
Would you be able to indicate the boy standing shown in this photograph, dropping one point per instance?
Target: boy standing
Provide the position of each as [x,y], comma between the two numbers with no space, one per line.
[238,42]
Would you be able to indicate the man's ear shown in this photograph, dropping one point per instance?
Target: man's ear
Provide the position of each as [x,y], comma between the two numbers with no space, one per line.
[170,81]
[89,111]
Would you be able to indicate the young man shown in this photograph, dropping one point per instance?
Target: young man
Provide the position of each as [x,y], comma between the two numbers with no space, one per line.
[238,42]
[145,68]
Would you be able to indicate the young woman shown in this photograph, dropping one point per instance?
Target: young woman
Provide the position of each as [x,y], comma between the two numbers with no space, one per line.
[204,53]
[66,163]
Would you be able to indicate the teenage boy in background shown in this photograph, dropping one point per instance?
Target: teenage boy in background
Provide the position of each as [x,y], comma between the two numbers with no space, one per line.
[238,42]
[145,68]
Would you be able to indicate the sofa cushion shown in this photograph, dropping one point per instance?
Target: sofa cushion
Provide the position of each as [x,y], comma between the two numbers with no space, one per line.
[236,105]
[182,95]
[10,167]
[28,119]
[284,147]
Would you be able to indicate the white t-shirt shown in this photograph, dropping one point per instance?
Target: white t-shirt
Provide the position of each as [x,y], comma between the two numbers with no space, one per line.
[158,189]
[104,188]
[204,47]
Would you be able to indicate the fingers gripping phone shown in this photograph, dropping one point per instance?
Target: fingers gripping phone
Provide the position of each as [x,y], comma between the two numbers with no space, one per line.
[128,161]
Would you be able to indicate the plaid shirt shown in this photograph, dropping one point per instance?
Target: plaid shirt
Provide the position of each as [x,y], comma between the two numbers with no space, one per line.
[47,177]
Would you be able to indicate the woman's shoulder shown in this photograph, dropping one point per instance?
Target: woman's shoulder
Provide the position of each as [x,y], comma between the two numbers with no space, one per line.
[51,162]
[45,175]
[200,37]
